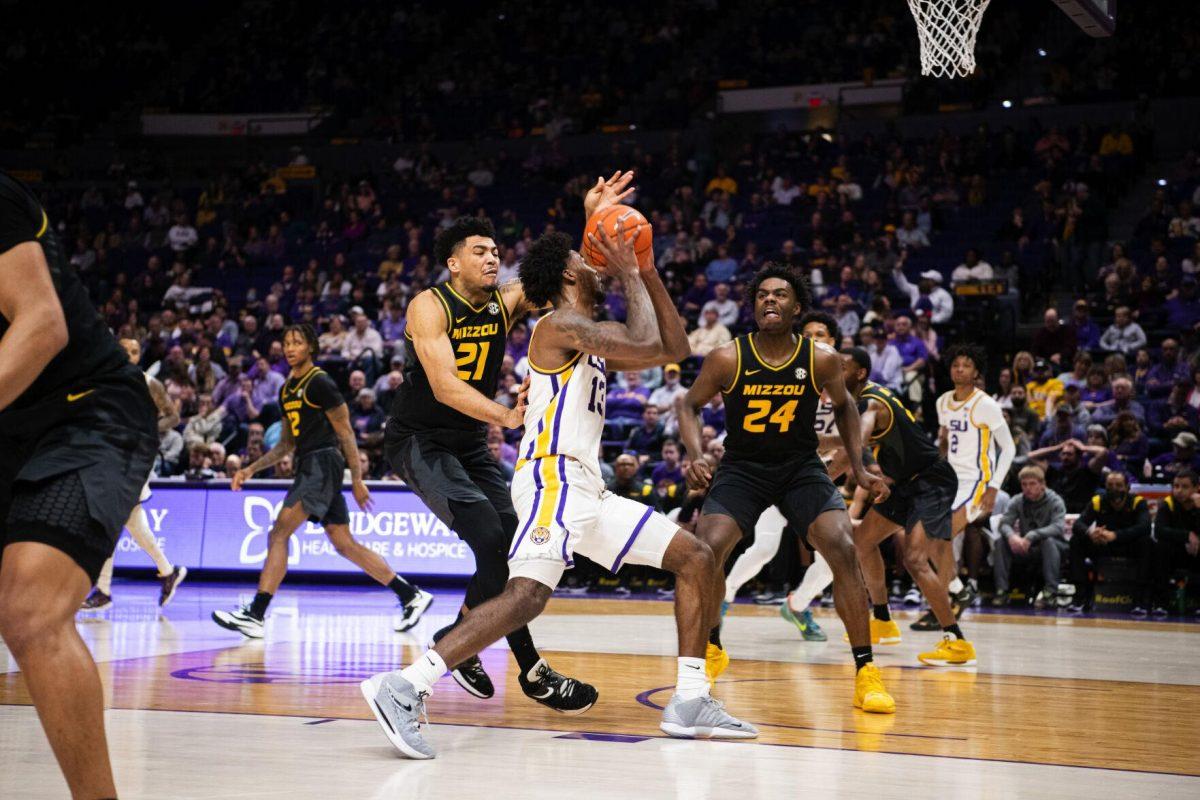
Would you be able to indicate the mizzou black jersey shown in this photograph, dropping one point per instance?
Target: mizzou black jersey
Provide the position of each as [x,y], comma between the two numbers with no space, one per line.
[903,449]
[91,352]
[304,401]
[478,335]
[770,410]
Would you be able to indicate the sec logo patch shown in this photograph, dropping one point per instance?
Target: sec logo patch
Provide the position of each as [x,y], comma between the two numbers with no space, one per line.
[801,373]
[493,307]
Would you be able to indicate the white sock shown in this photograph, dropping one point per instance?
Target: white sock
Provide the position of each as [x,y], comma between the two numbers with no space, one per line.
[139,529]
[956,585]
[425,671]
[691,680]
[768,533]
[816,578]
[104,582]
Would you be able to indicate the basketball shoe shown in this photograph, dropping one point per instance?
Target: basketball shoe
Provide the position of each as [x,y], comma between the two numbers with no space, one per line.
[810,631]
[950,652]
[869,693]
[703,718]
[881,632]
[716,660]
[398,708]
[413,609]
[470,674]
[170,582]
[241,621]
[96,601]
[553,690]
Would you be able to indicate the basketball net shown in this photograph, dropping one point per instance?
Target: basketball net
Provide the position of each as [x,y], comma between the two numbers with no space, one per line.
[947,30]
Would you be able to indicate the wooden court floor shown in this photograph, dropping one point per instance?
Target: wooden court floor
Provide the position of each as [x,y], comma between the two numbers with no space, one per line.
[1111,696]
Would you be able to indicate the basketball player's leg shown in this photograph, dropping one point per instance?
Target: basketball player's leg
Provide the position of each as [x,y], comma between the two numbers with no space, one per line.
[871,532]
[768,533]
[816,579]
[41,587]
[518,604]
[275,565]
[138,525]
[104,581]
[364,558]
[917,555]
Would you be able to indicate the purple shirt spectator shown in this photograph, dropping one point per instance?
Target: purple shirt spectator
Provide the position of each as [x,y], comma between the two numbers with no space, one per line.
[626,404]
[1101,395]
[721,270]
[664,472]
[1183,310]
[714,416]
[392,329]
[910,348]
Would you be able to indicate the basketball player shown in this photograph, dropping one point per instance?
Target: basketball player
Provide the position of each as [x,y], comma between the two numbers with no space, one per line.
[316,429]
[772,381]
[436,433]
[138,524]
[971,429]
[77,440]
[562,501]
[768,531]
[923,488]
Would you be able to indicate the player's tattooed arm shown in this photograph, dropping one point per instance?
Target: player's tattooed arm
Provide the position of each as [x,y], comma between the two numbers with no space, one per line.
[168,414]
[718,373]
[282,449]
[339,418]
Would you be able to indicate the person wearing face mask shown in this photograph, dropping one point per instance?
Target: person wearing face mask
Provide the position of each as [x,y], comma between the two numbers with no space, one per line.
[1116,523]
[1023,416]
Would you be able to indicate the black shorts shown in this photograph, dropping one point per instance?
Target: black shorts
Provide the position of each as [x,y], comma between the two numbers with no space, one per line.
[72,471]
[801,488]
[442,467]
[928,498]
[318,487]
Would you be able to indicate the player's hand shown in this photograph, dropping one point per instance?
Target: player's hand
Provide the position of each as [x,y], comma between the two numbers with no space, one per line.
[988,502]
[515,417]
[1193,544]
[362,496]
[874,484]
[523,393]
[619,254]
[699,475]
[240,477]
[608,193]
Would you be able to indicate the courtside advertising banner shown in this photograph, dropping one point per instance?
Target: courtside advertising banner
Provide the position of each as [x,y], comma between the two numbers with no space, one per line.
[209,526]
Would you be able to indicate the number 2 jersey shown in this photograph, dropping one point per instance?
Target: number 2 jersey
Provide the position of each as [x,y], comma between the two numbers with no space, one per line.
[478,335]
[304,401]
[565,415]
[971,430]
[770,411]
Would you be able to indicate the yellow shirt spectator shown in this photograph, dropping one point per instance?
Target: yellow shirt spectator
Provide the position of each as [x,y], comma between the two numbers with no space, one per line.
[1116,143]
[723,182]
[1044,395]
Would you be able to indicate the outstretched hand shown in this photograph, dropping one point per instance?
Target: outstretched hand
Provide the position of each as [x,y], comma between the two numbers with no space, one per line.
[620,257]
[608,193]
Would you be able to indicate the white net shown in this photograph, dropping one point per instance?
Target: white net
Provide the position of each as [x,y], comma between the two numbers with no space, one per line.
[947,30]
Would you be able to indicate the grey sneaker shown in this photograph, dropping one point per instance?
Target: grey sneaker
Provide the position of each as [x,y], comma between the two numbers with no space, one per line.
[398,708]
[703,718]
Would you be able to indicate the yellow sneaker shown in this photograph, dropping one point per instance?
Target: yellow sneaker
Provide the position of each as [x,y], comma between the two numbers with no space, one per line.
[715,661]
[869,694]
[881,632]
[950,652]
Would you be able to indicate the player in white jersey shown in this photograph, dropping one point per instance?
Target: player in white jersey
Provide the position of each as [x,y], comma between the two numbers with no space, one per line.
[561,500]
[975,439]
[768,532]
[169,576]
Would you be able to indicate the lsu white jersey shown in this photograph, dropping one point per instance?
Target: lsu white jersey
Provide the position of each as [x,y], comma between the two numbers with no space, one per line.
[565,412]
[970,427]
[824,424]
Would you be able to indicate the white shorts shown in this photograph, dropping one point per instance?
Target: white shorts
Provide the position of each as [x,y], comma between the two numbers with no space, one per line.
[970,492]
[563,508]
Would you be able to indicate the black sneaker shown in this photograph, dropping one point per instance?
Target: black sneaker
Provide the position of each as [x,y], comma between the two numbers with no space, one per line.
[563,694]
[410,612]
[242,621]
[170,582]
[965,599]
[470,674]
[926,622]
[96,601]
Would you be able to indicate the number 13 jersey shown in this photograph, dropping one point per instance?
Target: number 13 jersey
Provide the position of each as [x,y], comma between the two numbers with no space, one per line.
[770,410]
[565,415]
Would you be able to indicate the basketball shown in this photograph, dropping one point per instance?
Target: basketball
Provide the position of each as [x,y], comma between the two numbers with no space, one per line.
[614,219]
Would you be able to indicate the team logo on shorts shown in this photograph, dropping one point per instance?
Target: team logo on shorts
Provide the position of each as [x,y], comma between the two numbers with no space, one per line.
[493,307]
[801,373]
[539,535]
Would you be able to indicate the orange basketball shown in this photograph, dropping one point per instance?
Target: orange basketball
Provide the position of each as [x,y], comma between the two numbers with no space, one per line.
[614,219]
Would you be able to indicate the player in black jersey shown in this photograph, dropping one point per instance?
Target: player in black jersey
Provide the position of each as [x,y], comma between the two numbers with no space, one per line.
[923,489]
[772,381]
[77,440]
[436,432]
[316,431]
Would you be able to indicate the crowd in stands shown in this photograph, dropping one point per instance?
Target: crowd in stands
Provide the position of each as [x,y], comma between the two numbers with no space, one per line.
[885,229]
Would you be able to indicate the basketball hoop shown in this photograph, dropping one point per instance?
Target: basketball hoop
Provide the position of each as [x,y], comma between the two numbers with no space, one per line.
[947,30]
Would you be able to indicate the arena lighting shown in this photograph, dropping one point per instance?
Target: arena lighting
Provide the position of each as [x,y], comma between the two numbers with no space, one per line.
[1162,181]
[1006,103]
[1041,51]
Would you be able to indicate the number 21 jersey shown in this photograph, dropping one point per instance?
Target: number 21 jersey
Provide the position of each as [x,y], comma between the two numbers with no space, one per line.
[770,410]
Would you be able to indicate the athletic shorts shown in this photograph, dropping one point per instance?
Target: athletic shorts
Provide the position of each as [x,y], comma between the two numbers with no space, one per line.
[970,492]
[444,466]
[927,498]
[318,487]
[801,488]
[71,471]
[563,508]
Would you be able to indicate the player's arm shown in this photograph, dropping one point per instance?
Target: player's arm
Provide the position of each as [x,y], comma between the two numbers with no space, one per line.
[828,366]
[282,449]
[427,324]
[339,418]
[943,440]
[718,372]
[668,324]
[37,329]
[168,414]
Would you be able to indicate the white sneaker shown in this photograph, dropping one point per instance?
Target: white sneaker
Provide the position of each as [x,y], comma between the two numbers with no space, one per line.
[398,708]
[413,609]
[703,717]
[241,621]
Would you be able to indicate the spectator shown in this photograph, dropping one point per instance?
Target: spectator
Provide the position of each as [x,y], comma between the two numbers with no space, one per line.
[727,309]
[354,384]
[914,358]
[391,326]
[506,452]
[626,483]
[1033,527]
[1176,539]
[1115,523]
[1022,368]
[1004,386]
[713,414]
[1023,416]
[1043,390]
[385,387]
[669,469]
[927,295]
[1183,457]
[909,235]
[648,437]
[1183,307]
[1097,391]
[972,269]
[1071,403]
[696,296]
[1061,429]
[1122,400]
[363,347]
[267,383]
[1169,371]
[709,336]
[785,191]
[1077,476]
[1054,341]
[1124,336]
[1077,376]
[205,427]
[199,466]
[1128,442]
[366,417]
[886,363]
[182,236]
[1087,332]
[664,396]
[626,405]
[847,316]
[722,268]
[1166,418]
